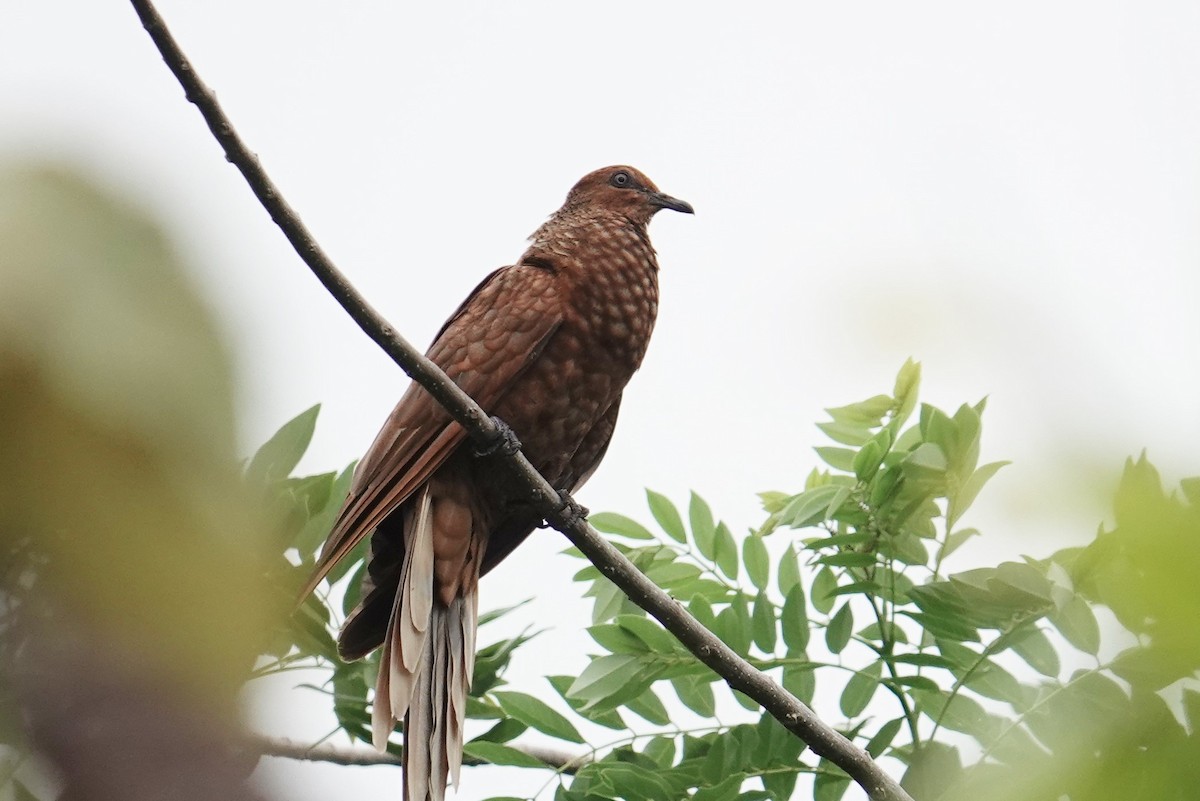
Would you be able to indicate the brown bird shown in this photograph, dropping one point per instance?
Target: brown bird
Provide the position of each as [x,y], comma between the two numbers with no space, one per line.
[546,345]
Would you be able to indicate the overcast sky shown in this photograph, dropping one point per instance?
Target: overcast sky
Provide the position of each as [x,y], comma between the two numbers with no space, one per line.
[1008,193]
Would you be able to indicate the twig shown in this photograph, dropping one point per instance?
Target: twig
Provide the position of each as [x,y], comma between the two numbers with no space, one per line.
[736,671]
[349,755]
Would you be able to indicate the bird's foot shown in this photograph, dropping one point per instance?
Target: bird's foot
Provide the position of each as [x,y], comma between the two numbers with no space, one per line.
[504,441]
[569,513]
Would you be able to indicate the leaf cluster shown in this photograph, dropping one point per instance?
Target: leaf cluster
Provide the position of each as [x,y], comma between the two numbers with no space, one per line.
[841,593]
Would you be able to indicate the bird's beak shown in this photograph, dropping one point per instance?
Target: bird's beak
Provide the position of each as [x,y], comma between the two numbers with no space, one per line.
[661,201]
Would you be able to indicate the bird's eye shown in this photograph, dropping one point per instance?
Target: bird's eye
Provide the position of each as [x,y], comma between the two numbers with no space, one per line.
[620,179]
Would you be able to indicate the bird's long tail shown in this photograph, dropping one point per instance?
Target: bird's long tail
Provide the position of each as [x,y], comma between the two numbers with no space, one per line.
[425,666]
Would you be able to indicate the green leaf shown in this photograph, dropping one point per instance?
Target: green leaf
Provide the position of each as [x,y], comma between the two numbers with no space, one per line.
[861,588]
[841,625]
[661,750]
[1036,650]
[809,507]
[702,610]
[1078,625]
[696,694]
[924,660]
[353,592]
[609,600]
[763,623]
[773,500]
[655,637]
[538,715]
[669,575]
[837,458]
[938,429]
[319,524]
[940,624]
[505,730]
[350,700]
[848,559]
[868,413]
[931,769]
[733,625]
[860,690]
[781,786]
[956,540]
[492,660]
[648,706]
[726,552]
[992,681]
[794,619]
[884,485]
[1150,668]
[800,681]
[868,459]
[911,682]
[846,433]
[632,782]
[279,455]
[608,718]
[883,738]
[968,426]
[613,523]
[603,677]
[789,571]
[970,491]
[927,456]
[724,790]
[617,640]
[667,515]
[823,589]
[958,713]
[757,560]
[908,382]
[829,786]
[838,540]
[500,754]
[746,701]
[496,614]
[703,528]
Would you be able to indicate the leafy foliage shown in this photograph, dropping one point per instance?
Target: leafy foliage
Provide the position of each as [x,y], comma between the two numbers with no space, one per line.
[841,594]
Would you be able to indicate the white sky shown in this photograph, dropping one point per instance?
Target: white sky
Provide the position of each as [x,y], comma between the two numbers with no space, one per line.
[1007,192]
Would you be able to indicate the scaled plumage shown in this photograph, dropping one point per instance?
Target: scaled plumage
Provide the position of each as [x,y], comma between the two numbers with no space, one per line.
[547,345]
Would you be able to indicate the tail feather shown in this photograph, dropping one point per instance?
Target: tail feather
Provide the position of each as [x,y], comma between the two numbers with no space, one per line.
[462,668]
[425,667]
[433,728]
[406,633]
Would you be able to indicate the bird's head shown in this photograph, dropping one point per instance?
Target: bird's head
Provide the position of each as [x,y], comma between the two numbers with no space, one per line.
[625,191]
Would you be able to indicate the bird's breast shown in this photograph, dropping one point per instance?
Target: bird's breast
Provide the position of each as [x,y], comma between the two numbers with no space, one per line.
[611,305]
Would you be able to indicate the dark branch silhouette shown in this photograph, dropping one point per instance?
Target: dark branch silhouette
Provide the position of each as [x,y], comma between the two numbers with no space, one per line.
[559,510]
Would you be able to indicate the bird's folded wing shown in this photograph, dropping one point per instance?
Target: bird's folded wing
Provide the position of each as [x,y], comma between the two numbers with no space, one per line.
[491,339]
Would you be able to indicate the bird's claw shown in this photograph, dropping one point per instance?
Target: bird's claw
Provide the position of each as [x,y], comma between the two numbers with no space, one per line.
[504,441]
[569,513]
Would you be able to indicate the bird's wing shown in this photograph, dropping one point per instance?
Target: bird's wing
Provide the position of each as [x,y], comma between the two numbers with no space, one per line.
[491,339]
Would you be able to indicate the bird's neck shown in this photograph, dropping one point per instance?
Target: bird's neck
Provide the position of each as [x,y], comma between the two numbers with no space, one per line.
[572,240]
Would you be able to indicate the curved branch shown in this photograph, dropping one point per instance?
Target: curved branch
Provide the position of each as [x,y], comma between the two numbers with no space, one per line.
[349,755]
[736,671]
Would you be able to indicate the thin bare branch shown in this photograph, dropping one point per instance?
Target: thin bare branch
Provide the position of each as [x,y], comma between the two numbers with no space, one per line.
[349,755]
[736,671]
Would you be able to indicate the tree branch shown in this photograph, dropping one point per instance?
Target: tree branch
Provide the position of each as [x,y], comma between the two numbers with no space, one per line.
[348,755]
[736,671]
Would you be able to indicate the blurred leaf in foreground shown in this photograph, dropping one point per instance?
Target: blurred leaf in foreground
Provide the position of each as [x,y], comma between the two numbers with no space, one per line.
[132,563]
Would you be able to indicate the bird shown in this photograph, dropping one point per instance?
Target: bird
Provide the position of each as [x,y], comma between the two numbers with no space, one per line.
[547,346]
